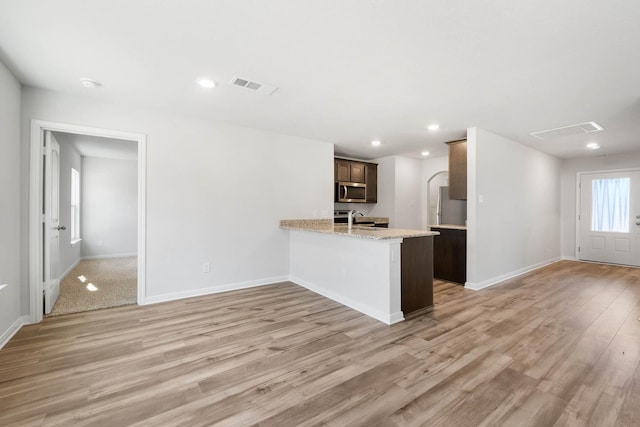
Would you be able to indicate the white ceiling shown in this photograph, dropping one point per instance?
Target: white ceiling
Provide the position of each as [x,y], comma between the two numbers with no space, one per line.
[350,71]
[96,146]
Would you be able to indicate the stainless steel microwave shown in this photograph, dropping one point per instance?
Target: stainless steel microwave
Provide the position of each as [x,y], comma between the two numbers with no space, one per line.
[351,192]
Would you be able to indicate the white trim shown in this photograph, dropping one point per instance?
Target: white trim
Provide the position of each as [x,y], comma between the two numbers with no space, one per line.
[142,219]
[213,290]
[389,319]
[35,219]
[569,258]
[109,256]
[13,329]
[577,218]
[495,280]
[38,127]
[586,261]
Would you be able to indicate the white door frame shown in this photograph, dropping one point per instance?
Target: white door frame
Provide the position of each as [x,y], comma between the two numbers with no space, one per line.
[578,201]
[38,127]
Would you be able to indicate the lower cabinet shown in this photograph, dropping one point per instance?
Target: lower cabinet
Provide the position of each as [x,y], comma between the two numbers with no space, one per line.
[450,255]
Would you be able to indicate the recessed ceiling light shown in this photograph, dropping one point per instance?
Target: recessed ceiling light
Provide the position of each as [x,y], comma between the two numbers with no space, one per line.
[90,83]
[207,83]
[375,143]
[593,145]
[433,126]
[425,153]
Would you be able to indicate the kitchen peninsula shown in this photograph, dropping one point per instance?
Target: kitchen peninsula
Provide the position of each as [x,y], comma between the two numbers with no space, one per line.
[384,273]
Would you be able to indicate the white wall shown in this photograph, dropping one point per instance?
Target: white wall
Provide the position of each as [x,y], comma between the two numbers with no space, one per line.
[516,227]
[399,191]
[570,169]
[408,209]
[215,192]
[10,212]
[109,207]
[69,158]
[386,190]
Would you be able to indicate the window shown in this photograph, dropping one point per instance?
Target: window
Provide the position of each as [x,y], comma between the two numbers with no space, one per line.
[610,205]
[75,206]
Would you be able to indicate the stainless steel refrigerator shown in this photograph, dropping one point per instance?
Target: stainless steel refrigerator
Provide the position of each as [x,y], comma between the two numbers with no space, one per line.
[449,211]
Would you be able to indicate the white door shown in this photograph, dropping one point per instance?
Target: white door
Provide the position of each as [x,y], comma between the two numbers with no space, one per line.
[52,227]
[609,218]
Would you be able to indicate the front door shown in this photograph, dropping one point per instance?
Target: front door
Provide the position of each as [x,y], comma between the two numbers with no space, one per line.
[609,218]
[51,262]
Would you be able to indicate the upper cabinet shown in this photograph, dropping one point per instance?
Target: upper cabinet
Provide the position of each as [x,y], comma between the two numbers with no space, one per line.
[349,171]
[458,169]
[353,171]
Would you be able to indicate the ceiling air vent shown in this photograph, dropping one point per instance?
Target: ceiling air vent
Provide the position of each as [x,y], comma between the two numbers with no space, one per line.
[253,86]
[567,130]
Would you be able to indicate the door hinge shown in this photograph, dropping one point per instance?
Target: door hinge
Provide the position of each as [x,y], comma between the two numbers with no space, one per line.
[578,248]
[579,217]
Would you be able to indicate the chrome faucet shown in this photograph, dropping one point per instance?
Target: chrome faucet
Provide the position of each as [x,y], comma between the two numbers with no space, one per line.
[352,215]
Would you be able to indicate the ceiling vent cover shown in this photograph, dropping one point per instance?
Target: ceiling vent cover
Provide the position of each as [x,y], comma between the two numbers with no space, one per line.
[567,130]
[261,88]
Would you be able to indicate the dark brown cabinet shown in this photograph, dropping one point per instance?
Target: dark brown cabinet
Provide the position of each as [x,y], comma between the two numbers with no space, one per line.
[360,173]
[450,255]
[349,171]
[458,169]
[416,270]
[371,178]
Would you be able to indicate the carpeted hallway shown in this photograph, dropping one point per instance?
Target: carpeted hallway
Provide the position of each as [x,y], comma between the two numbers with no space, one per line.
[98,283]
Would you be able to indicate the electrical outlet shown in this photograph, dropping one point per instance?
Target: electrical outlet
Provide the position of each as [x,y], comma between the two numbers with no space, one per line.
[206,267]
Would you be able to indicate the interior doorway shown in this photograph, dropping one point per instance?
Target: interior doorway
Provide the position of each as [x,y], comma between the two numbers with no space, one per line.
[436,181]
[609,217]
[42,280]
[97,207]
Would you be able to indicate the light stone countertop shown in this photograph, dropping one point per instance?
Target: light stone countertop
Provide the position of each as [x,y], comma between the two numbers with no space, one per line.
[326,226]
[448,226]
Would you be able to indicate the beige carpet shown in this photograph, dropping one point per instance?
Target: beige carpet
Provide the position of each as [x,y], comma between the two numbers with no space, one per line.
[114,281]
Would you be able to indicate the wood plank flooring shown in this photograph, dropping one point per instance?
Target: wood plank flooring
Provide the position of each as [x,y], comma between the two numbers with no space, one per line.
[556,347]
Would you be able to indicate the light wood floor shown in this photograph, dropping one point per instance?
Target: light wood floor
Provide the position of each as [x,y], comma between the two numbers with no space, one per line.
[560,346]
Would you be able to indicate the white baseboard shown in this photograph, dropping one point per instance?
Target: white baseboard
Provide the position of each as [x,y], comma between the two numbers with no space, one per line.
[68,270]
[389,319]
[13,329]
[212,290]
[569,258]
[495,280]
[110,256]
